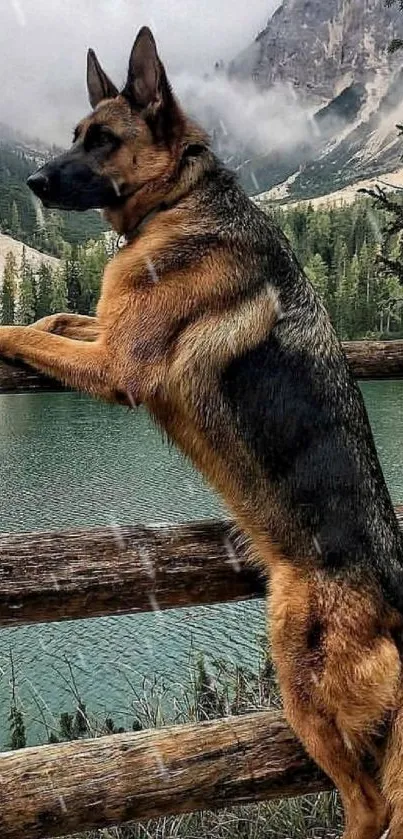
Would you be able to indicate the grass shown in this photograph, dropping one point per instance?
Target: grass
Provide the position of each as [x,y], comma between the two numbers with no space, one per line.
[214,692]
[309,817]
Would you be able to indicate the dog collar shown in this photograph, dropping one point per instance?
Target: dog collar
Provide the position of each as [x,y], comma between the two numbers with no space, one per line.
[128,238]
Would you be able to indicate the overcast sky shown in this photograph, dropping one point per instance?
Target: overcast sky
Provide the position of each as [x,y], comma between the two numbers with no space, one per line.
[43,45]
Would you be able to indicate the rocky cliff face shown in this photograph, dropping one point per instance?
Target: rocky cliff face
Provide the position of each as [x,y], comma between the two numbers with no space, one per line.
[333,56]
[321,47]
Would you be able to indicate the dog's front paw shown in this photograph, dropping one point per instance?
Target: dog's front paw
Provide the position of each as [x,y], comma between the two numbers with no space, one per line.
[51,323]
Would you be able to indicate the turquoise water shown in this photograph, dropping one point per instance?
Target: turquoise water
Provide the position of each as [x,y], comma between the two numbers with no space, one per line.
[67,461]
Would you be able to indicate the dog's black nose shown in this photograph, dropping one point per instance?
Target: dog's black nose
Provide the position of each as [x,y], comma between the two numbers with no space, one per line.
[39,184]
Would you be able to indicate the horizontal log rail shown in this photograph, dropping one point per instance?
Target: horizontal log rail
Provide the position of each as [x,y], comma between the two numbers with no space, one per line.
[368,359]
[16,378]
[375,359]
[115,570]
[61,789]
[108,571]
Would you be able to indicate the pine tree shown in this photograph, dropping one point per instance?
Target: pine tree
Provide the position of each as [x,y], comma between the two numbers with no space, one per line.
[366,310]
[26,297]
[17,728]
[54,226]
[340,261]
[357,269]
[92,261]
[44,291]
[8,291]
[15,225]
[388,302]
[59,300]
[72,280]
[337,277]
[317,273]
[346,297]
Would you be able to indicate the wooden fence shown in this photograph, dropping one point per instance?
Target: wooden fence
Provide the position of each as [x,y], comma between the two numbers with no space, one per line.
[54,790]
[368,360]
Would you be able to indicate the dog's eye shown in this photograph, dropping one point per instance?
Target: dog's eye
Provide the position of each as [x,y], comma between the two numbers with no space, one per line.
[76,135]
[98,136]
[105,137]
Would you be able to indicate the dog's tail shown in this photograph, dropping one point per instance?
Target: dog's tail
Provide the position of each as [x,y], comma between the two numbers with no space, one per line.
[392,774]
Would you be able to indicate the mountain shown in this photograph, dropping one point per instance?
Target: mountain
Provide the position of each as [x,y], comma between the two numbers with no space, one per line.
[312,104]
[21,215]
[34,258]
[322,47]
[332,56]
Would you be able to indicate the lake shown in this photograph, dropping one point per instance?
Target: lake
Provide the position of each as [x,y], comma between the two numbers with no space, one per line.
[67,461]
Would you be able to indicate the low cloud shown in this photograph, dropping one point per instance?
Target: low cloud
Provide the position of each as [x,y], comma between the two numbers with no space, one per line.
[43,45]
[246,117]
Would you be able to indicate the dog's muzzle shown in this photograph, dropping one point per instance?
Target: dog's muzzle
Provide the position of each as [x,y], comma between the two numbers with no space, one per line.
[70,183]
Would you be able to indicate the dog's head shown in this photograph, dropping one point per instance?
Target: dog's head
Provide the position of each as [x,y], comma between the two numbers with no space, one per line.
[130,147]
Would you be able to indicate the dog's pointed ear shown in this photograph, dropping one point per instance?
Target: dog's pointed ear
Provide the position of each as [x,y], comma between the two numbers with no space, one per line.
[98,83]
[146,80]
[148,90]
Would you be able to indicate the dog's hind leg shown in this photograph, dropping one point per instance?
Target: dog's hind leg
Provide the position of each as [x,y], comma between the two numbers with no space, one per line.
[339,671]
[365,808]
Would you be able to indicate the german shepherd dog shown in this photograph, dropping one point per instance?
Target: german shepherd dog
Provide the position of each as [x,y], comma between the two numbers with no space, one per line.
[206,318]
